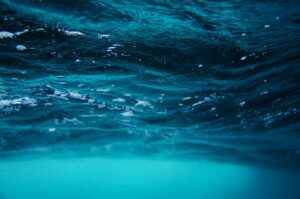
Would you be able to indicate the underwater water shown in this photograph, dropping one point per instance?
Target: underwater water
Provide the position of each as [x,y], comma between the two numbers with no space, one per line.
[149,99]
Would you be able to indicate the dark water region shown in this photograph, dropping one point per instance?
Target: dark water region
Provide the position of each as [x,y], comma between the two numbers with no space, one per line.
[177,81]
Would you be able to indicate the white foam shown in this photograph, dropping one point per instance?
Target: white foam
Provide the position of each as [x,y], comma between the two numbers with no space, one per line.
[5,34]
[186,98]
[57,92]
[242,103]
[213,109]
[127,114]
[91,101]
[72,120]
[243,58]
[121,100]
[40,29]
[21,47]
[101,36]
[76,95]
[74,33]
[143,103]
[111,48]
[52,130]
[21,32]
[199,103]
[18,101]
[93,115]
[101,106]
[103,90]
[264,93]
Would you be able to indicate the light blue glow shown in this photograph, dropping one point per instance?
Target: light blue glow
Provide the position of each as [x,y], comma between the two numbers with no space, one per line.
[94,178]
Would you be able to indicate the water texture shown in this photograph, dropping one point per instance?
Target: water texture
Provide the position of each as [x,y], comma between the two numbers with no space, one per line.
[179,79]
[149,99]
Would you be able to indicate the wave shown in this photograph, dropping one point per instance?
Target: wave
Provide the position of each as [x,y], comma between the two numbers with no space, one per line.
[192,79]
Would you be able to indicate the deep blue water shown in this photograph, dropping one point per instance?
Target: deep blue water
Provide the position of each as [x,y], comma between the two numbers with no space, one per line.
[148,82]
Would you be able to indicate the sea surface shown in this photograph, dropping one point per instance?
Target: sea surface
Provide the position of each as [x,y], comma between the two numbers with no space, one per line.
[149,99]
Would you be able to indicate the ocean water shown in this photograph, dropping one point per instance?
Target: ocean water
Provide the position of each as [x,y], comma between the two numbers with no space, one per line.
[149,99]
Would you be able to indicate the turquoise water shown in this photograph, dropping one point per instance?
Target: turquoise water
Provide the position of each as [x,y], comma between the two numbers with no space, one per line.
[94,178]
[149,99]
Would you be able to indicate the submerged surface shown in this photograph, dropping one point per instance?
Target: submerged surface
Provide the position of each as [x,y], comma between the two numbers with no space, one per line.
[187,81]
